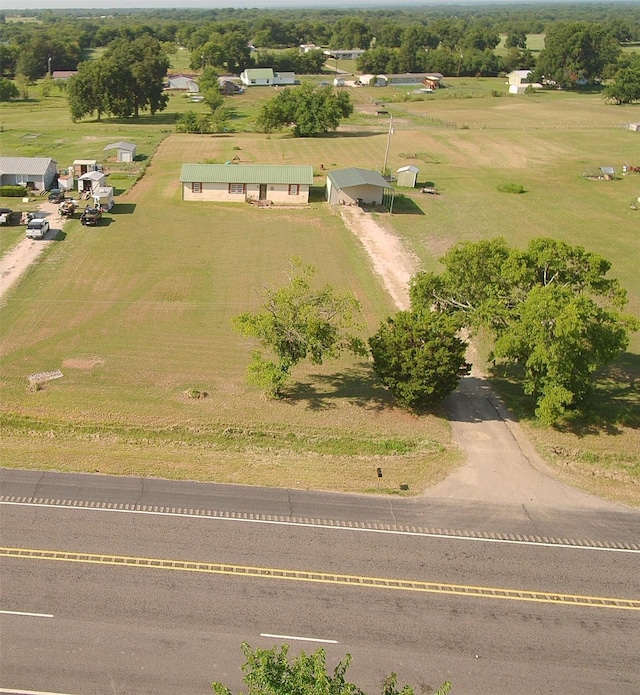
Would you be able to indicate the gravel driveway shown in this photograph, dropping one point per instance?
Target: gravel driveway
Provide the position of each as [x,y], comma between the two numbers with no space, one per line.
[502,467]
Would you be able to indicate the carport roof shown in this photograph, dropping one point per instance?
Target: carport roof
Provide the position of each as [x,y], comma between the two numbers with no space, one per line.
[346,178]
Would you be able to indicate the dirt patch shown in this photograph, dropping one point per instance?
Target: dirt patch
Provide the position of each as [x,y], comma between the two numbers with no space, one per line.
[79,363]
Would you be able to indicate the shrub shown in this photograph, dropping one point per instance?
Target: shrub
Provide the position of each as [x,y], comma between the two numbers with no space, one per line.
[511,188]
[13,191]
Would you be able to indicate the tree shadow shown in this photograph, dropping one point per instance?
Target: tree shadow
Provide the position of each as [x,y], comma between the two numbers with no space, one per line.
[123,209]
[404,205]
[613,404]
[358,386]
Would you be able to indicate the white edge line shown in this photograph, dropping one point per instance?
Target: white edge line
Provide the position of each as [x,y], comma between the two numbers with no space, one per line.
[418,534]
[299,639]
[28,615]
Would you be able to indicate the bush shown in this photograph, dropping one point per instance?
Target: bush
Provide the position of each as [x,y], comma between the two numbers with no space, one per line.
[511,188]
[13,191]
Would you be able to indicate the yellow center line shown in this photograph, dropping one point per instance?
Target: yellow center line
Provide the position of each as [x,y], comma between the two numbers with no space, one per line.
[325,578]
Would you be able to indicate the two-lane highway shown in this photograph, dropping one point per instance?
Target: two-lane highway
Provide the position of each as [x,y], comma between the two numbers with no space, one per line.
[138,595]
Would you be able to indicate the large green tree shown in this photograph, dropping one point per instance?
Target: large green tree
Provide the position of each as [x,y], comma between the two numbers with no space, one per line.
[552,309]
[419,357]
[308,111]
[298,322]
[269,672]
[625,86]
[576,52]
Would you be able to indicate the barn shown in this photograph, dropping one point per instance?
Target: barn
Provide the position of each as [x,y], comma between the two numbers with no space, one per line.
[356,186]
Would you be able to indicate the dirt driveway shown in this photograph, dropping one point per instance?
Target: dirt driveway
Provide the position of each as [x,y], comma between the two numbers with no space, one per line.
[502,466]
[14,263]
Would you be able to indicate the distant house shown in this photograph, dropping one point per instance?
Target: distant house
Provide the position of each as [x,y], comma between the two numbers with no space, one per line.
[373,80]
[279,184]
[406,78]
[182,82]
[519,80]
[308,47]
[407,176]
[266,77]
[63,75]
[125,151]
[352,54]
[355,186]
[36,173]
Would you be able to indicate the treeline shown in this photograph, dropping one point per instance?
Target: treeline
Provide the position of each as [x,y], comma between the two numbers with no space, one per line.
[452,40]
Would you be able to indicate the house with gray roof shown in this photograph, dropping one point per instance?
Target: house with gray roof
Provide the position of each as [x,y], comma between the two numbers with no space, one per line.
[36,173]
[285,184]
[357,186]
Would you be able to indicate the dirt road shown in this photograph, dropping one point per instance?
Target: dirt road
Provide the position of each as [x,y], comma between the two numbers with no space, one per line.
[501,466]
[15,262]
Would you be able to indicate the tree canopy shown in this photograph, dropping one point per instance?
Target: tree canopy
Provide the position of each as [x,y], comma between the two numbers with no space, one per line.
[298,322]
[269,672]
[308,111]
[625,85]
[551,309]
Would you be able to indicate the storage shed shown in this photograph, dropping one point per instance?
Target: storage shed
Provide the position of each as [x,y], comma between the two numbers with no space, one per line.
[88,182]
[125,151]
[407,176]
[356,186]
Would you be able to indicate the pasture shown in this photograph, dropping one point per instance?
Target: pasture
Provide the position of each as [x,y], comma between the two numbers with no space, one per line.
[136,313]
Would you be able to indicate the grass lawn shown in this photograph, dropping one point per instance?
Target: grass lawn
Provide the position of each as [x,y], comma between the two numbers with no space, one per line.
[138,310]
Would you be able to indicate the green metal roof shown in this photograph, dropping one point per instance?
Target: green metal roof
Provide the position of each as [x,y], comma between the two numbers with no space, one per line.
[345,178]
[247,173]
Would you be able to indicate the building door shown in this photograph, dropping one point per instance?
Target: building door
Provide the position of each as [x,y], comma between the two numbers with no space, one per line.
[263,191]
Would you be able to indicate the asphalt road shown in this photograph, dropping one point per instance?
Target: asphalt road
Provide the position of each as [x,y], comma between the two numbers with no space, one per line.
[80,624]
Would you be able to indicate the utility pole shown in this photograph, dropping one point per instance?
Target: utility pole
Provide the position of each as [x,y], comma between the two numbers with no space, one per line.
[386,154]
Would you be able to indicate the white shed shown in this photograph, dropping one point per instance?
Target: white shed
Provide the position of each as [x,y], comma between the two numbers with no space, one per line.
[407,176]
[88,182]
[126,151]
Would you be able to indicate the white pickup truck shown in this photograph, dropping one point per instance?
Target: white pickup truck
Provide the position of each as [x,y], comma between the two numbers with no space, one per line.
[37,228]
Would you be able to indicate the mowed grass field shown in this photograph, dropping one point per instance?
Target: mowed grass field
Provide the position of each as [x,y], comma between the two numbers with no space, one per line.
[137,312]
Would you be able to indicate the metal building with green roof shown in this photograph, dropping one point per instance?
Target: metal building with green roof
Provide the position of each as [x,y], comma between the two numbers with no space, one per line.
[263,183]
[356,186]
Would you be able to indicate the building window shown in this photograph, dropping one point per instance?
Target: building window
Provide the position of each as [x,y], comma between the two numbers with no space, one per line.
[196,187]
[237,188]
[294,189]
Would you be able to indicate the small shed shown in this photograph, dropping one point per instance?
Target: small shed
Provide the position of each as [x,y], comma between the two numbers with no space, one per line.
[82,166]
[519,77]
[182,82]
[88,182]
[125,151]
[635,127]
[407,176]
[356,186]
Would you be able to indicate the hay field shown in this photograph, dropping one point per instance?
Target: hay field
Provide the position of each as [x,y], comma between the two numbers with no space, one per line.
[136,313]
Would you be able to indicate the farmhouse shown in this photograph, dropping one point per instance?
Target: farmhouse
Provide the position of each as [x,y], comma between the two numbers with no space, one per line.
[238,183]
[266,77]
[125,151]
[63,75]
[36,173]
[407,176]
[356,186]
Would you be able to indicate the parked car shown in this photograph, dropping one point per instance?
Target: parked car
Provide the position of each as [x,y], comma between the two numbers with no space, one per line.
[56,195]
[6,215]
[91,216]
[37,228]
